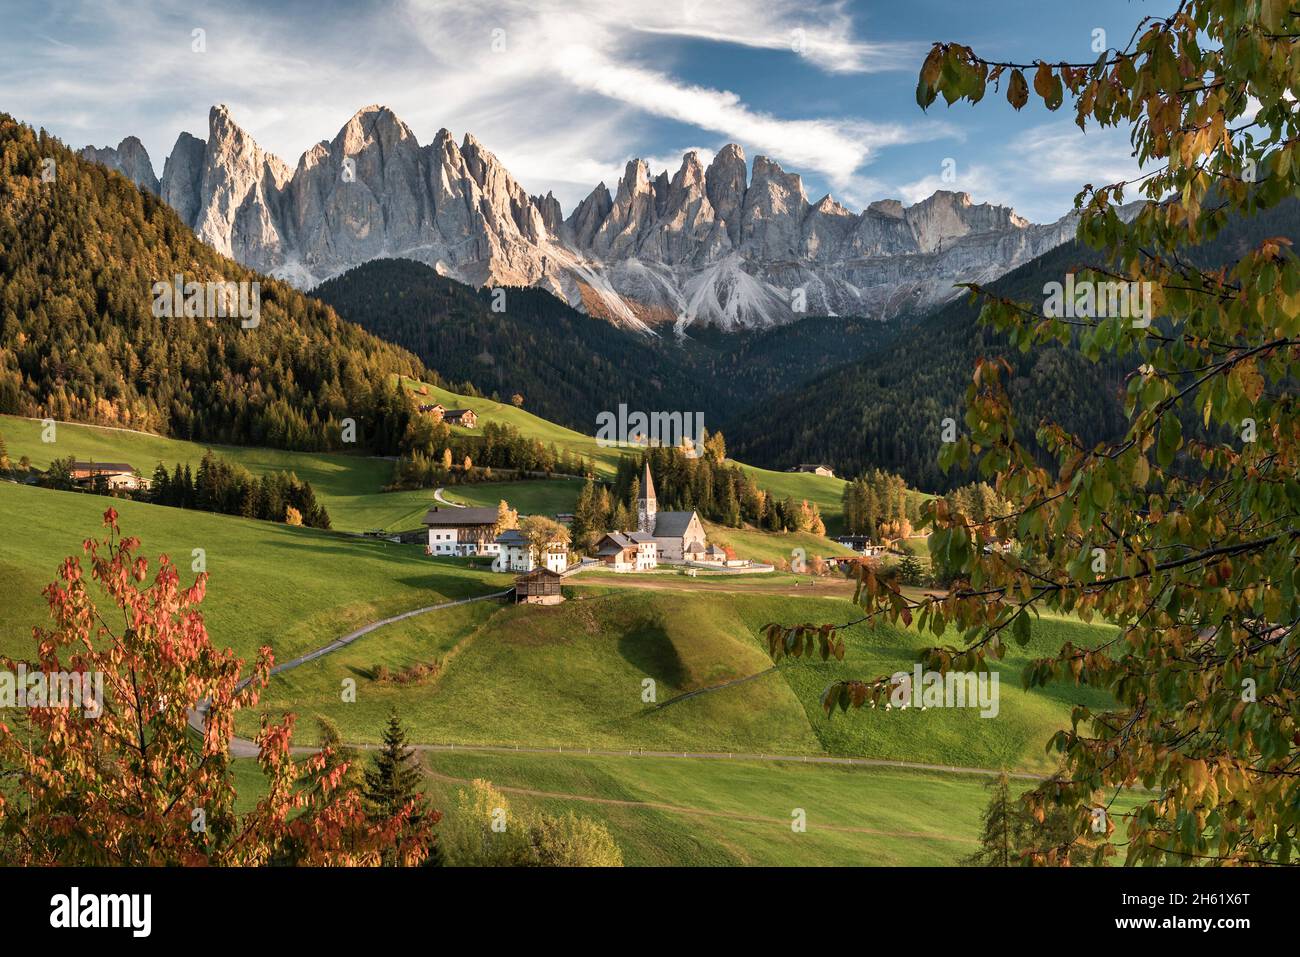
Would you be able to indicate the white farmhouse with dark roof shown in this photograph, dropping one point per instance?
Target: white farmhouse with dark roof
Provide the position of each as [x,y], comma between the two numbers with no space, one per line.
[462,531]
[516,555]
[675,533]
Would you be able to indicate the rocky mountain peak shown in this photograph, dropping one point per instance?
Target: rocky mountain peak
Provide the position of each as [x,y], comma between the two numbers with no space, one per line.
[704,243]
[129,158]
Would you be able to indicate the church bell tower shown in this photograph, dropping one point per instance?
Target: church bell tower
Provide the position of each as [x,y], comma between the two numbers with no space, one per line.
[646,506]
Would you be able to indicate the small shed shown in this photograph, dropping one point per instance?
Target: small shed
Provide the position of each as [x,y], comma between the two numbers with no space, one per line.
[541,586]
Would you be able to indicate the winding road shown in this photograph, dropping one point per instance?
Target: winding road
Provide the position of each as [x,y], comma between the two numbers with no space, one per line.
[243,748]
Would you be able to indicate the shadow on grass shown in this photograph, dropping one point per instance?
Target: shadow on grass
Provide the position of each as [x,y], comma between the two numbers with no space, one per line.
[647,648]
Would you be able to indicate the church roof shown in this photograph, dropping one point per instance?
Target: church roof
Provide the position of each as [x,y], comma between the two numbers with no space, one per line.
[648,485]
[672,524]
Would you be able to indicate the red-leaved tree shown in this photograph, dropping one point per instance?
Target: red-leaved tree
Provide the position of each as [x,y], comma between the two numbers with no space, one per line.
[131,782]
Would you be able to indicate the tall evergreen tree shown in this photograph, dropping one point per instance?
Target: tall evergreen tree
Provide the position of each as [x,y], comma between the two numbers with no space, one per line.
[392,780]
[1003,826]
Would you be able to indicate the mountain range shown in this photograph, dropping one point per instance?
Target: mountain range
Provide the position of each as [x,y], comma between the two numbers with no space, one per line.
[714,244]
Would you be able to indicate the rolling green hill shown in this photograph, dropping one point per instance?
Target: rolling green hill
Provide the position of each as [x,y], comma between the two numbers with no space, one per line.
[572,676]
[825,491]
[294,589]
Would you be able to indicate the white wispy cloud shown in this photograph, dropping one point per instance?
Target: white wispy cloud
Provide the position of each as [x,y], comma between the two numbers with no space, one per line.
[563,92]
[1041,169]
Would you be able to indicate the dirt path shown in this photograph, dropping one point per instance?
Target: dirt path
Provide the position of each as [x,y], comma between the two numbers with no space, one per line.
[701,812]
[242,747]
[828,589]
[437,495]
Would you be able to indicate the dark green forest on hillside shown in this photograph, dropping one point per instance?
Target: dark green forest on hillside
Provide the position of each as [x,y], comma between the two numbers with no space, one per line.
[570,367]
[886,409]
[79,255]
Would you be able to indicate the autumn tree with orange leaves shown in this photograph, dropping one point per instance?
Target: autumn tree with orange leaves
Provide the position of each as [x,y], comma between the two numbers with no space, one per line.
[1184,532]
[135,784]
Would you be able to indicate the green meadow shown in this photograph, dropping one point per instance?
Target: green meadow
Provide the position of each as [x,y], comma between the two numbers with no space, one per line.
[291,588]
[823,490]
[573,675]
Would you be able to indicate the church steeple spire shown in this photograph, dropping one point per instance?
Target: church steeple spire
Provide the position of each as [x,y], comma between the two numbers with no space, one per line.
[647,505]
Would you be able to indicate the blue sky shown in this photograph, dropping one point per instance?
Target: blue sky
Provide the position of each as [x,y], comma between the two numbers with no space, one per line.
[566,92]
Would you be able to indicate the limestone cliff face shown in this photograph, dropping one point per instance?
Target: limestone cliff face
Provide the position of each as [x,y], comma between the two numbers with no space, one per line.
[129,158]
[703,244]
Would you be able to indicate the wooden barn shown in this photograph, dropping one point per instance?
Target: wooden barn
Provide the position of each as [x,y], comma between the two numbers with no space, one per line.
[541,586]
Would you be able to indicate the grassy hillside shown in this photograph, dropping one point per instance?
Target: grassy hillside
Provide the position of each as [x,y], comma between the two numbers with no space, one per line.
[665,811]
[710,813]
[826,492]
[349,486]
[292,588]
[545,497]
[571,676]
[773,547]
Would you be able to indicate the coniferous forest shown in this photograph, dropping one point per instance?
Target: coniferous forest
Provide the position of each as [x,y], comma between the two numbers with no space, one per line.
[79,253]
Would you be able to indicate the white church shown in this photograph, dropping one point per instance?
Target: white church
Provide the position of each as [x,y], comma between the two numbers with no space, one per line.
[678,536]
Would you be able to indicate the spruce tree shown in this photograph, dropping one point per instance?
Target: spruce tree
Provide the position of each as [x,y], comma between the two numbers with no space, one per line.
[910,571]
[1003,824]
[392,780]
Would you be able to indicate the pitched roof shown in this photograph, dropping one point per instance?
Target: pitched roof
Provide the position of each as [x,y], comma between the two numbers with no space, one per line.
[648,485]
[613,542]
[460,517]
[640,537]
[511,536]
[104,467]
[539,574]
[672,524]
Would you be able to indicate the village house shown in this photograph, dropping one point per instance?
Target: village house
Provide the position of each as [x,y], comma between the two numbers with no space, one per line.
[674,533]
[516,554]
[462,531]
[541,586]
[866,546]
[435,409]
[628,552]
[708,554]
[814,469]
[463,417]
[118,475]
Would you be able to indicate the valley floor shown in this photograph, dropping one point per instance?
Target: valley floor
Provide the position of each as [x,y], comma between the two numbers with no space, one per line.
[629,663]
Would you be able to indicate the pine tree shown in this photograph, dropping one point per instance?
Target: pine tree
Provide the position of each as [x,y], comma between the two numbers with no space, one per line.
[910,571]
[391,782]
[1003,827]
[160,486]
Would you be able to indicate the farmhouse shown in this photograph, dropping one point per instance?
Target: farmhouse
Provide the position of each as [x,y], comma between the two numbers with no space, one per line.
[462,531]
[516,554]
[118,475]
[435,409]
[539,587]
[630,552]
[463,417]
[814,469]
[864,544]
[675,533]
